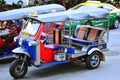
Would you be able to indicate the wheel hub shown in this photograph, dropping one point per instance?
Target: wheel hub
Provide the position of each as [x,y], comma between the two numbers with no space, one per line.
[19,70]
[116,25]
[95,60]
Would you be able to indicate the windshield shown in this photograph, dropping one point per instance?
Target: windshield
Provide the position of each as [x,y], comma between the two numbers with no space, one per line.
[77,7]
[83,7]
[31,27]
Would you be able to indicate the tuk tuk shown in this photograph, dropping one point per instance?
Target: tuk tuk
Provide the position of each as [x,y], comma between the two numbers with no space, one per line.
[44,43]
[22,14]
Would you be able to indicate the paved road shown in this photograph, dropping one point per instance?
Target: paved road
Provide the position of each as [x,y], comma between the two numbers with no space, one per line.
[108,70]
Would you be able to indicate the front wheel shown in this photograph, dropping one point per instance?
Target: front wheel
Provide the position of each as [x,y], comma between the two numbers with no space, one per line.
[18,69]
[93,60]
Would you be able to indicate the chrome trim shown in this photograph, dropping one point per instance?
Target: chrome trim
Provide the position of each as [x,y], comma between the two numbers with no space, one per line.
[33,43]
[37,62]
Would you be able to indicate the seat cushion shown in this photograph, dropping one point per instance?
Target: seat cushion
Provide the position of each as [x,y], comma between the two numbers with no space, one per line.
[79,41]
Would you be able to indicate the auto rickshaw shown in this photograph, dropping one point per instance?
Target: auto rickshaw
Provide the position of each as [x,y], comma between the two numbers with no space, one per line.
[22,14]
[43,41]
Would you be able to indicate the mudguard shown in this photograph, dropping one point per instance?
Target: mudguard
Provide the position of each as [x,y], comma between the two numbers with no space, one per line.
[21,50]
[98,50]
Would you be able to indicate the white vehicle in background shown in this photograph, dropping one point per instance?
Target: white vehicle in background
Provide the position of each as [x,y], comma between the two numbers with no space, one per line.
[19,2]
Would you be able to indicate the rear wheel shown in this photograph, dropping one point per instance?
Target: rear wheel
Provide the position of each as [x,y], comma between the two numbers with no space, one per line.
[116,24]
[93,60]
[18,69]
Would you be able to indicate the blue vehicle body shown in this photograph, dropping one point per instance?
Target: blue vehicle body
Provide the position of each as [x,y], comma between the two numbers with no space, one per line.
[23,13]
[8,52]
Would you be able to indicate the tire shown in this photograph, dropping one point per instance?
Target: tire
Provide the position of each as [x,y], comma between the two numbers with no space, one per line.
[93,60]
[116,24]
[15,69]
[19,3]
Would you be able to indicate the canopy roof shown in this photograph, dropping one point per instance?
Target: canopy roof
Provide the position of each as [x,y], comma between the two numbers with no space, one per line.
[24,12]
[79,14]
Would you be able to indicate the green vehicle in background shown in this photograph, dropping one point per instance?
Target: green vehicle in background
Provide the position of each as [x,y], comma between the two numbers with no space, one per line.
[95,23]
[114,19]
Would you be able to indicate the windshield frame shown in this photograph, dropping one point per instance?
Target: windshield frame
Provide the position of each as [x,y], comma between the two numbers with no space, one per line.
[29,27]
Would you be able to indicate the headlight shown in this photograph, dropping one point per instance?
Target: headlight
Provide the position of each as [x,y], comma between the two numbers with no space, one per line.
[15,39]
[32,43]
[20,41]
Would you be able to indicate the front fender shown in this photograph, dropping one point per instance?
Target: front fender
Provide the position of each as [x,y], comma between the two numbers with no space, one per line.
[21,50]
[96,49]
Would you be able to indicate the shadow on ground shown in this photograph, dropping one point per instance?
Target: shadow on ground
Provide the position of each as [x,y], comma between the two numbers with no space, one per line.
[6,60]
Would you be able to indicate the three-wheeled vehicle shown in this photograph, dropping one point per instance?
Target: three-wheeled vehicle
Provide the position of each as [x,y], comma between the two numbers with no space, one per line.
[21,14]
[43,41]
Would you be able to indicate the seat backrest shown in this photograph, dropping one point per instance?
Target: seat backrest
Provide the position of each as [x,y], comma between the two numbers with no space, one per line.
[19,28]
[102,33]
[57,36]
[96,33]
[92,34]
[88,33]
[81,33]
[51,27]
[1,42]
